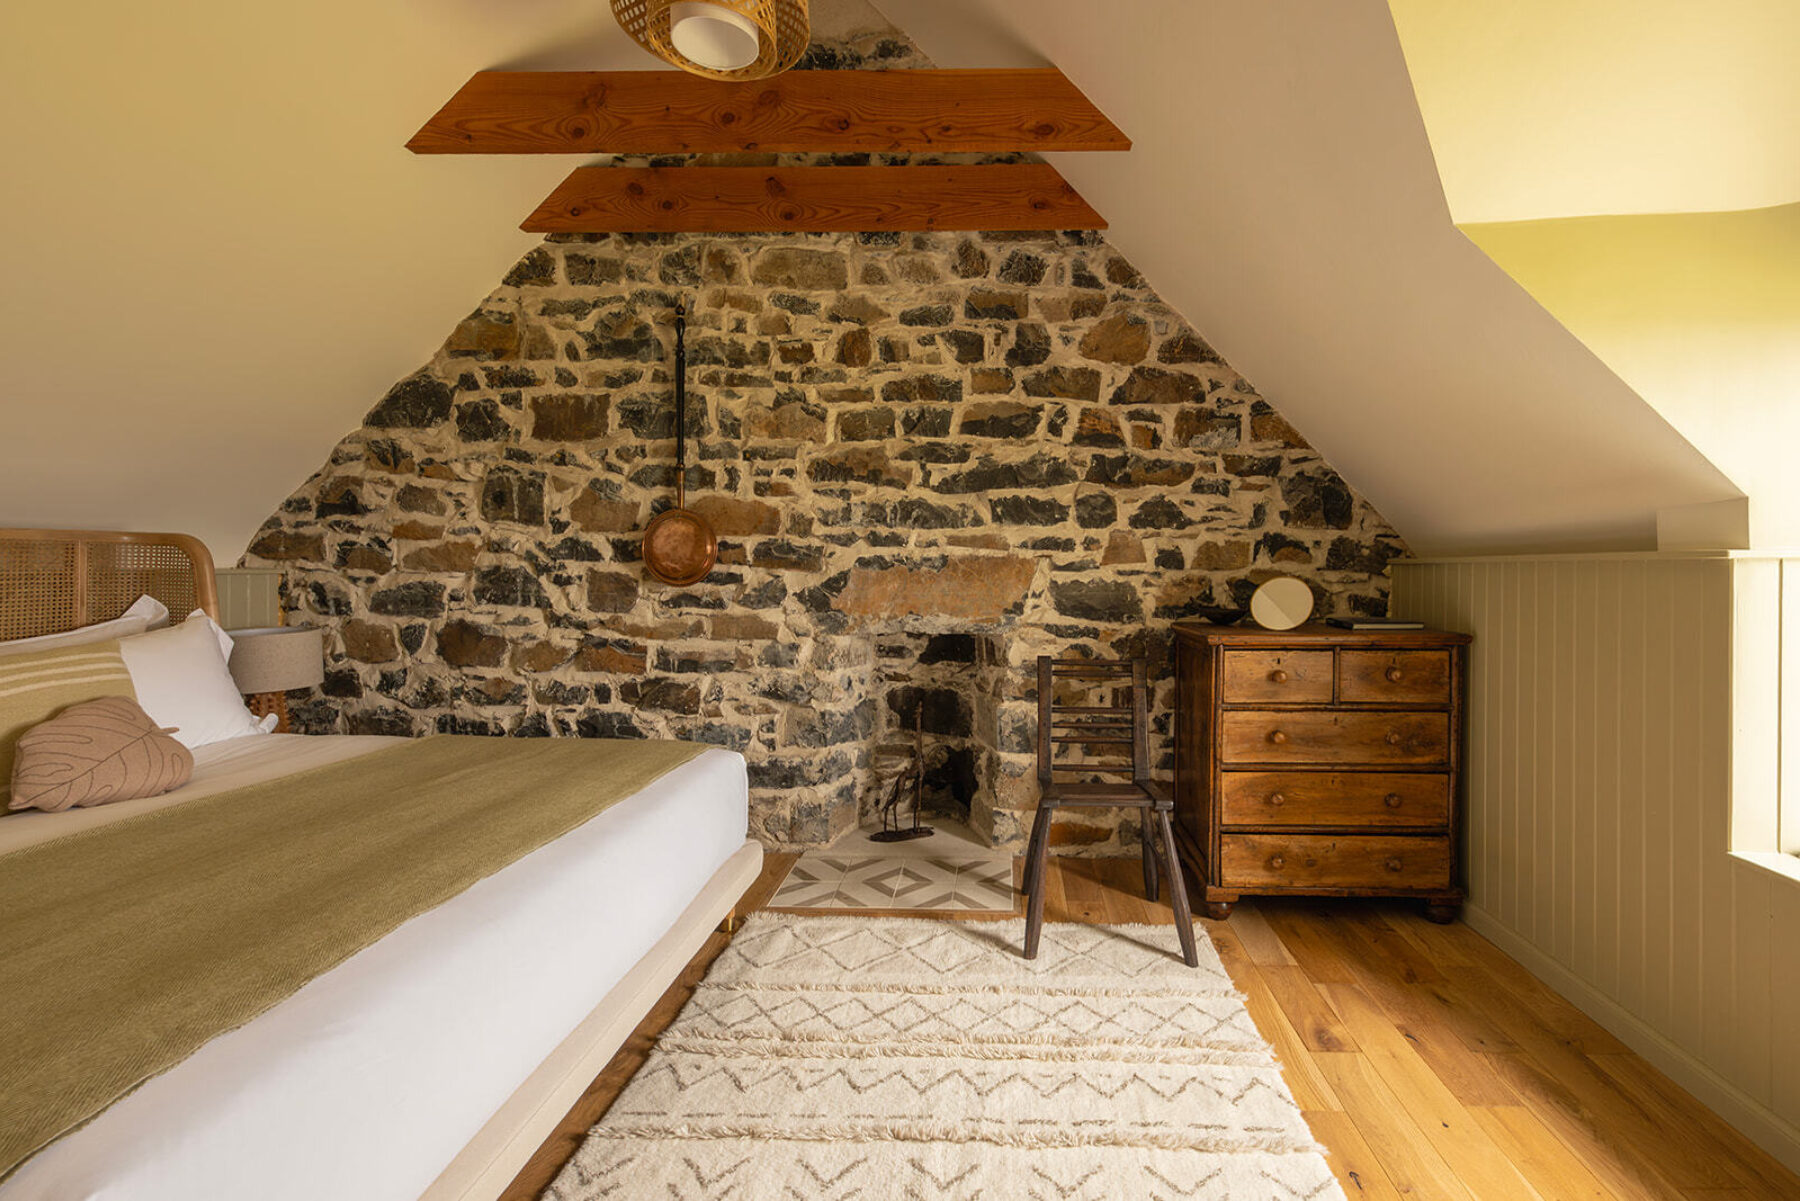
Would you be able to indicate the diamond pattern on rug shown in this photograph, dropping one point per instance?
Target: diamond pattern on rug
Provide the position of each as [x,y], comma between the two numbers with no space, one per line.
[826,881]
[844,1058]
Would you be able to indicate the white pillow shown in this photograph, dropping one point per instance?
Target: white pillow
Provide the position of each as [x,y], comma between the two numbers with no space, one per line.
[181,680]
[146,613]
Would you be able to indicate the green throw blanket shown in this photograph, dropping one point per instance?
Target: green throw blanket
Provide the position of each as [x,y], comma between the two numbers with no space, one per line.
[125,948]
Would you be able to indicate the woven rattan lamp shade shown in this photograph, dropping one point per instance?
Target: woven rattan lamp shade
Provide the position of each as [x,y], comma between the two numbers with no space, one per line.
[782,25]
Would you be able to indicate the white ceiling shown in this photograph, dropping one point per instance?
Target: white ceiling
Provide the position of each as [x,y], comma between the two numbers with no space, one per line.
[216,254]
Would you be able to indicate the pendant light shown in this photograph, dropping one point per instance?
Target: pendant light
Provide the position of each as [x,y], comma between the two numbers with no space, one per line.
[720,39]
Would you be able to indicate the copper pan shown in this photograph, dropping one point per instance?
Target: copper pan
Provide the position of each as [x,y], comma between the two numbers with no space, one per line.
[679,546]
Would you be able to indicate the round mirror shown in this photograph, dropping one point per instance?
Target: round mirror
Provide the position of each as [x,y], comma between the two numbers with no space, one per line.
[1281,603]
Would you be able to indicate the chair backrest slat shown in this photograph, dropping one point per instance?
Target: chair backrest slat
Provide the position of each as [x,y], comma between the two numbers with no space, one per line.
[1093,724]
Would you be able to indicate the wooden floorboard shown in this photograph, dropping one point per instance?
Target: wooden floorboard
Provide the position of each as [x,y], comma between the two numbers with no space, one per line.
[1428,1063]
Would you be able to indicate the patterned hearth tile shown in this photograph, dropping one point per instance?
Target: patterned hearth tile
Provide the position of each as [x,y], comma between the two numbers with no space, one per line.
[826,881]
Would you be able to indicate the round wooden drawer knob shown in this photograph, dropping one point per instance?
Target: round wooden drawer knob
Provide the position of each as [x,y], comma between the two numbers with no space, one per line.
[1391,800]
[1394,674]
[1279,676]
[1277,862]
[1275,798]
[1393,865]
[1393,738]
[1277,737]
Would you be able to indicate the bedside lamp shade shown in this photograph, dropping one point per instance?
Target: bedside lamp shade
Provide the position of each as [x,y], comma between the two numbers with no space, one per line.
[277,658]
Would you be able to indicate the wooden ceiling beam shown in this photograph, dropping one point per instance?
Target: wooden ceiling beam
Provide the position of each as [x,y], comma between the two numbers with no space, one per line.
[672,112]
[815,199]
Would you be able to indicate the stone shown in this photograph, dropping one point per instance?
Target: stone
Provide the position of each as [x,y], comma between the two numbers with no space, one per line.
[286,545]
[985,303]
[854,348]
[1095,511]
[803,270]
[1154,386]
[509,586]
[969,587]
[865,425]
[416,598]
[965,345]
[1121,338]
[971,261]
[1235,555]
[465,644]
[1139,471]
[369,642]
[1273,427]
[990,380]
[417,402]
[1031,345]
[788,556]
[672,696]
[612,591]
[792,418]
[1186,346]
[1022,268]
[415,530]
[537,269]
[589,270]
[1112,601]
[572,417]
[742,627]
[858,464]
[733,518]
[612,660]
[511,495]
[597,514]
[1097,427]
[483,336]
[930,314]
[993,475]
[482,421]
[1199,429]
[1029,510]
[1067,383]
[1318,500]
[1160,513]
[538,657]
[1000,419]
[1122,547]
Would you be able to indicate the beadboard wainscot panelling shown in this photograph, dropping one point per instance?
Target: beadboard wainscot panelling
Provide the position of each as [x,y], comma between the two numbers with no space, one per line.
[249,597]
[1625,797]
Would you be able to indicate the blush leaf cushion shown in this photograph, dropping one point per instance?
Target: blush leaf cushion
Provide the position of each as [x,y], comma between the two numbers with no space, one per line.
[95,753]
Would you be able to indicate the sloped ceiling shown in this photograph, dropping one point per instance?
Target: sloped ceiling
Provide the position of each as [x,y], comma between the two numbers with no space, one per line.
[217,254]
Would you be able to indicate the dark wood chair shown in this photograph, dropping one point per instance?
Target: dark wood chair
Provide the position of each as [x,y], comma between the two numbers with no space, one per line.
[1116,723]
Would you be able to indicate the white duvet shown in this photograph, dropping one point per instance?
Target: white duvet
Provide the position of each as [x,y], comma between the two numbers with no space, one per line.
[367,1081]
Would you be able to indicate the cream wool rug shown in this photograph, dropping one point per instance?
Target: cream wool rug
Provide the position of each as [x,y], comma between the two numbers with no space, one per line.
[831,1058]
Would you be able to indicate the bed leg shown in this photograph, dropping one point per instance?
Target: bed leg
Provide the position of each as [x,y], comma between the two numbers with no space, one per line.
[730,924]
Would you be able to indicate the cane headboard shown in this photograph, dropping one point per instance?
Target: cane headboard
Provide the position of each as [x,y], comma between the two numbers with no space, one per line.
[56,580]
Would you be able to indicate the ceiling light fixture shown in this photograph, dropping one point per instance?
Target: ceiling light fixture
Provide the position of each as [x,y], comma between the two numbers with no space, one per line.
[720,39]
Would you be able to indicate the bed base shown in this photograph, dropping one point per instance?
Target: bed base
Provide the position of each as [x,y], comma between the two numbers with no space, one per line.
[490,1161]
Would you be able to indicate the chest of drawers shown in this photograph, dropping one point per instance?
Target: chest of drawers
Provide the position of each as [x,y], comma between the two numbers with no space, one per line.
[1320,761]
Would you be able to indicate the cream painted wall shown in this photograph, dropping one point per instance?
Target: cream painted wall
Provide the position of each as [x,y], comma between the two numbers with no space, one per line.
[1700,313]
[1546,108]
[215,254]
[1281,194]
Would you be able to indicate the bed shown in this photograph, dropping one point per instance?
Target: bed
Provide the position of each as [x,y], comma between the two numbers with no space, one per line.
[434,1061]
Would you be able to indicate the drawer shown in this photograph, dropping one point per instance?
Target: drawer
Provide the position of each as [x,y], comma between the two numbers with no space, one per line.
[1259,677]
[1315,736]
[1322,798]
[1301,861]
[1395,677]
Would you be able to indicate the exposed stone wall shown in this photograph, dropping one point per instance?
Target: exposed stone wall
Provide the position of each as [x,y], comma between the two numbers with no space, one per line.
[929,458]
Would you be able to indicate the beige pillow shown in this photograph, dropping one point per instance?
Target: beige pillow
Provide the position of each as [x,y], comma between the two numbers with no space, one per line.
[34,688]
[95,753]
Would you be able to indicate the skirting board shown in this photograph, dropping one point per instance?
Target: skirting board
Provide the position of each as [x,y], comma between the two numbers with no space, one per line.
[483,1169]
[1756,1121]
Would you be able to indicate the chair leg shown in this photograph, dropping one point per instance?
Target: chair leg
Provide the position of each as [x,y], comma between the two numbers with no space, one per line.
[1184,917]
[1149,848]
[1027,881]
[1038,853]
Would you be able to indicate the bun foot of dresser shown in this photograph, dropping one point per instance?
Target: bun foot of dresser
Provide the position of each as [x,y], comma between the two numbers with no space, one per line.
[1442,912]
[1218,911]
